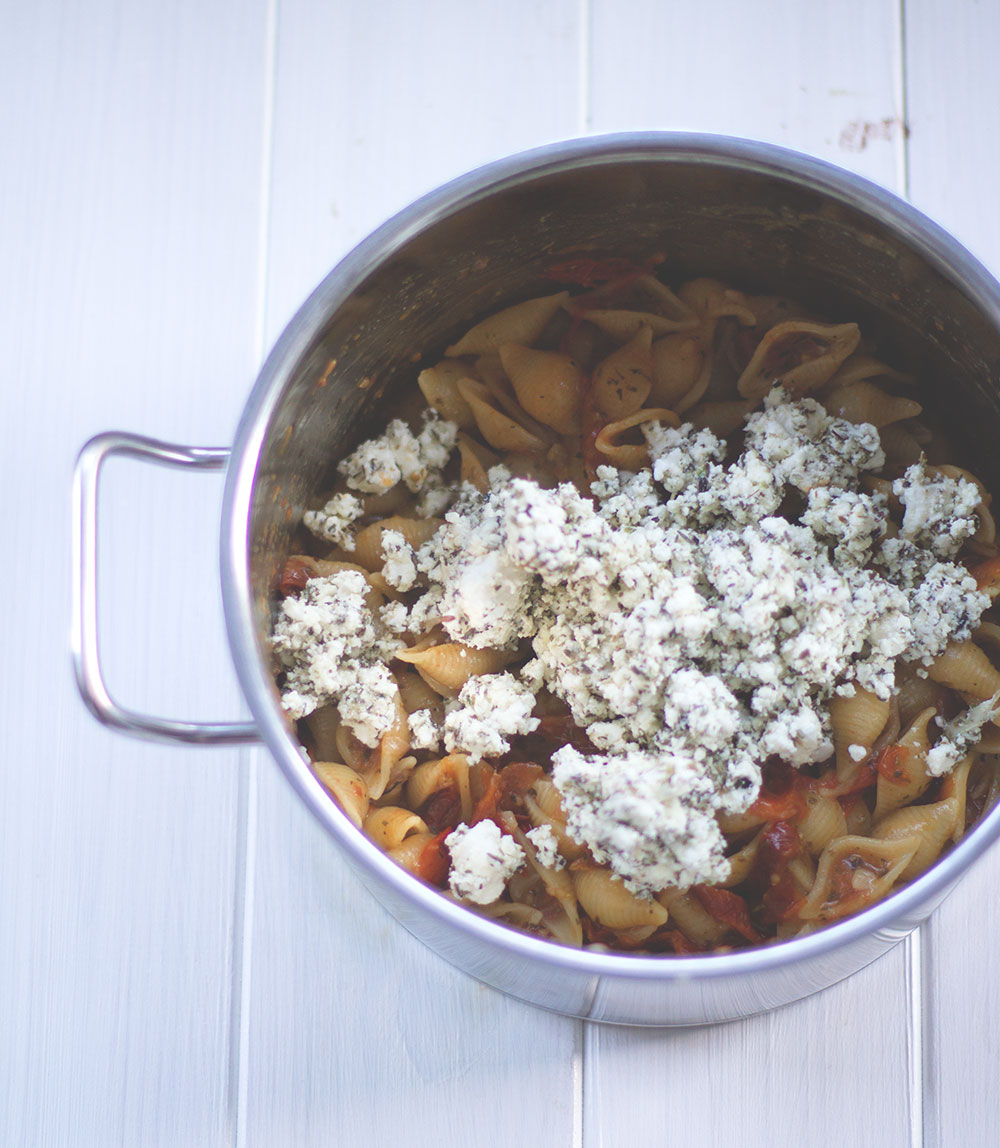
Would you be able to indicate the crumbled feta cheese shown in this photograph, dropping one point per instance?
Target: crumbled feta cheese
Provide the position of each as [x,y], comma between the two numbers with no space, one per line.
[399,455]
[805,447]
[490,706]
[398,569]
[944,602]
[424,730]
[960,735]
[546,846]
[334,650]
[857,752]
[333,522]
[939,512]
[395,617]
[482,861]
[690,622]
[635,813]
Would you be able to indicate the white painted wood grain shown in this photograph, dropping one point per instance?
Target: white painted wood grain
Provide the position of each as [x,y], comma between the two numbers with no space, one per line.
[355,1031]
[953,94]
[820,78]
[131,139]
[820,1072]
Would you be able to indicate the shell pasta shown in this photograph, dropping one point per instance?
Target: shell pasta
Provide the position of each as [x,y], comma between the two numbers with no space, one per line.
[667,625]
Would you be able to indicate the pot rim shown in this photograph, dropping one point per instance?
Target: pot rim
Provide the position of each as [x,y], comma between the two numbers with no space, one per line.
[918,232]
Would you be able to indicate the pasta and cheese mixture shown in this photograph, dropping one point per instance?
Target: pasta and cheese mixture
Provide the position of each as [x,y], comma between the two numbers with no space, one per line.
[658,621]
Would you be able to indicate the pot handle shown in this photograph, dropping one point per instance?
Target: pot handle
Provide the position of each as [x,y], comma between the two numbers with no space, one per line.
[86,656]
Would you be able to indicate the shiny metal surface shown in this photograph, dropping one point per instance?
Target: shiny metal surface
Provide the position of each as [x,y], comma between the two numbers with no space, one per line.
[755,215]
[84,634]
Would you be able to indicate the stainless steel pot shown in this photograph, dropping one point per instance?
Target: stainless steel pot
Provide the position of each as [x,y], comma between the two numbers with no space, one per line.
[754,215]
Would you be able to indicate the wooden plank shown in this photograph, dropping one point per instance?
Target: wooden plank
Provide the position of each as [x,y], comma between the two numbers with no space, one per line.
[383,118]
[354,1029]
[810,78]
[129,199]
[953,91]
[822,80]
[792,1077]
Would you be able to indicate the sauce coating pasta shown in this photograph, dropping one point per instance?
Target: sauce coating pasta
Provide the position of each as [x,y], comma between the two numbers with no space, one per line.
[423,652]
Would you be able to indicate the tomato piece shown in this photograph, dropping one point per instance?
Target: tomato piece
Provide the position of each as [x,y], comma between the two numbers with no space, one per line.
[489,804]
[728,908]
[294,575]
[782,792]
[891,763]
[585,272]
[443,810]
[433,862]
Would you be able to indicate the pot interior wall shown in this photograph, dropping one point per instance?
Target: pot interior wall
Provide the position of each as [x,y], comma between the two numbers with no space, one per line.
[430,277]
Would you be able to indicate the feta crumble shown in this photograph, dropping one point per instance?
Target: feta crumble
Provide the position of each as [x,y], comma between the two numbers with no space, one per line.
[425,733]
[333,650]
[691,630]
[333,522]
[398,569]
[490,706]
[939,512]
[482,861]
[546,846]
[398,455]
[960,734]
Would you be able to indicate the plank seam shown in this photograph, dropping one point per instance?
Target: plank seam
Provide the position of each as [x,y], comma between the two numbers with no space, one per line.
[584,117]
[915,1036]
[247,840]
[900,80]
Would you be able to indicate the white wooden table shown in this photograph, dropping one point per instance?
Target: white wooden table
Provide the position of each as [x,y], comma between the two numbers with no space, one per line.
[184,959]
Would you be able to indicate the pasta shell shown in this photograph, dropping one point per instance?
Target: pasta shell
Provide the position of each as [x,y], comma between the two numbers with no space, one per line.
[863,402]
[931,825]
[605,899]
[544,807]
[496,426]
[623,380]
[801,356]
[416,694]
[854,872]
[451,772]
[693,920]
[741,863]
[901,448]
[710,299]
[892,792]
[439,385]
[368,542]
[964,667]
[387,764]
[408,853]
[630,456]
[449,666]
[859,366]
[677,363]
[521,323]
[476,462]
[914,694]
[623,326]
[547,384]
[346,786]
[856,721]
[956,785]
[323,724]
[769,310]
[824,820]
[390,825]
[721,418]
